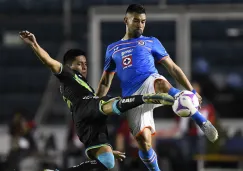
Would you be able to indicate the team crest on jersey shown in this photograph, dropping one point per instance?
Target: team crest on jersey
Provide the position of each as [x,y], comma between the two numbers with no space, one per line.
[127,62]
[115,49]
[141,43]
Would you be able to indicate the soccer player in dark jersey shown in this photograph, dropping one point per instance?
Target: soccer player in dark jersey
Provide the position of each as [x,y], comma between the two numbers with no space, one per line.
[89,112]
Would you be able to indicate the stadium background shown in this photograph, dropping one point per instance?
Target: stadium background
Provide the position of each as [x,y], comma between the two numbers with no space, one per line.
[204,37]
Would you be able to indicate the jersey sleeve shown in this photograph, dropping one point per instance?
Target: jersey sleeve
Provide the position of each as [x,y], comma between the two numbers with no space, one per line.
[158,50]
[65,73]
[110,65]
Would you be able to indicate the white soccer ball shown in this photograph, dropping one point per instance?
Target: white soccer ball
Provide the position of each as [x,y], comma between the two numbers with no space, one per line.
[181,105]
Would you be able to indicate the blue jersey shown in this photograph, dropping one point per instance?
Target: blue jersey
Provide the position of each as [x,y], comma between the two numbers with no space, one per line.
[134,61]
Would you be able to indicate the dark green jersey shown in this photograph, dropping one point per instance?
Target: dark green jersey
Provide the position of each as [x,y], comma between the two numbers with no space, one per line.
[74,87]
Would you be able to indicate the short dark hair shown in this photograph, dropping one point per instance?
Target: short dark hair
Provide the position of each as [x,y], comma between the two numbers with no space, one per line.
[137,8]
[71,54]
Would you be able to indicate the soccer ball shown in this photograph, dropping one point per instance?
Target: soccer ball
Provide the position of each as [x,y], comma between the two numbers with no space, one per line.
[180,106]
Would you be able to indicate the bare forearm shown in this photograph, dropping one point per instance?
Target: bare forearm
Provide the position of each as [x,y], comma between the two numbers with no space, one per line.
[102,90]
[42,54]
[105,83]
[46,59]
[180,77]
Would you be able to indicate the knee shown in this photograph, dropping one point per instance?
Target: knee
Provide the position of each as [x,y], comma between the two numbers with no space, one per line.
[161,86]
[144,142]
[107,159]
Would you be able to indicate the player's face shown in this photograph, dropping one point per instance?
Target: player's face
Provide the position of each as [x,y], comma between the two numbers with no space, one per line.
[80,65]
[135,23]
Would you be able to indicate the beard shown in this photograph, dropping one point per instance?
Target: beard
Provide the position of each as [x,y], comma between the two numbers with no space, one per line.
[137,33]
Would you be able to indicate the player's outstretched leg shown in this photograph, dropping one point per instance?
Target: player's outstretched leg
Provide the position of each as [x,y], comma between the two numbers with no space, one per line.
[159,98]
[207,127]
[198,117]
[87,166]
[163,86]
[104,160]
[120,105]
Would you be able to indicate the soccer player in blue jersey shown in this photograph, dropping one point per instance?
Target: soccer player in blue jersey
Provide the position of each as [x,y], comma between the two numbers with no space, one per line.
[133,58]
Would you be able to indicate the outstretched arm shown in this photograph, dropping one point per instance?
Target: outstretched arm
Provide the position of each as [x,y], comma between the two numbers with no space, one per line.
[161,56]
[176,72]
[30,39]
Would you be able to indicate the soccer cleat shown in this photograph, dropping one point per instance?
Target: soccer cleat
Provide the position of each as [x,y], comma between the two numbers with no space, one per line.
[160,98]
[210,131]
[207,127]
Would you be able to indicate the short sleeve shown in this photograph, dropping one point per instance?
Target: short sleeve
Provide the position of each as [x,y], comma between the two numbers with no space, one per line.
[64,73]
[110,65]
[158,50]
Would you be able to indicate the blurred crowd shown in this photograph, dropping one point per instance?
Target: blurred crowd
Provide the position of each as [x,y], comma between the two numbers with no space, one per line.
[177,146]
[216,46]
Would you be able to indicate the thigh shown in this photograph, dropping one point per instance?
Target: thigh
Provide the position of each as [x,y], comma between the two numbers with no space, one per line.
[94,135]
[89,109]
[142,116]
[91,124]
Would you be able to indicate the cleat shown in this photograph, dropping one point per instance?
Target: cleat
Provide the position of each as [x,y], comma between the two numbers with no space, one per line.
[207,127]
[210,131]
[160,98]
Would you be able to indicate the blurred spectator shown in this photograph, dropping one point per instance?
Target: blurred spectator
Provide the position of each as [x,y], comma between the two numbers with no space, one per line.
[234,80]
[201,72]
[73,149]
[22,143]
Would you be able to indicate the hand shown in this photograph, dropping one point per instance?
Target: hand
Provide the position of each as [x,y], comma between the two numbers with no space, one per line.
[199,99]
[27,37]
[119,155]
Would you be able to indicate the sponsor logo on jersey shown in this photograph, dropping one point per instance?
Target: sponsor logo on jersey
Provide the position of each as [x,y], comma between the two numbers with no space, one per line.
[128,100]
[90,97]
[127,62]
[141,43]
[126,52]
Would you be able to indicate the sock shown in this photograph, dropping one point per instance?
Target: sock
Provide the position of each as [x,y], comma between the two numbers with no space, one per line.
[89,165]
[173,91]
[198,118]
[149,158]
[129,102]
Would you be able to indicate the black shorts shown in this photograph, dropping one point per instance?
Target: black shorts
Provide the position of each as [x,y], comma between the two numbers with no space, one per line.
[90,122]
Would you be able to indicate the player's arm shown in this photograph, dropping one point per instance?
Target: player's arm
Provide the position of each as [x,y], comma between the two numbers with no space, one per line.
[105,83]
[107,76]
[30,39]
[177,73]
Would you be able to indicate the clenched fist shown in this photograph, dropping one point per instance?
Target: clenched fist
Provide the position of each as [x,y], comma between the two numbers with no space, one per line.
[27,37]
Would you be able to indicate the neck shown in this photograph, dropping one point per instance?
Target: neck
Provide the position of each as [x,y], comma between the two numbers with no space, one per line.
[127,36]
